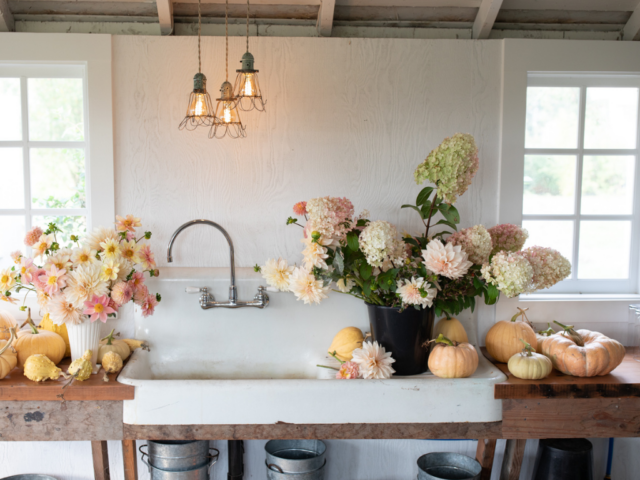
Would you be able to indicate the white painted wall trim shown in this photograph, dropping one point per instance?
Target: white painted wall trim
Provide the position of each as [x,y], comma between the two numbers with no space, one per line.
[325,17]
[485,19]
[165,16]
[631,30]
[7,23]
[93,52]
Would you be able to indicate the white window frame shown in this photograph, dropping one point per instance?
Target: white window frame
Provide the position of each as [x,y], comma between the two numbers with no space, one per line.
[522,59]
[90,57]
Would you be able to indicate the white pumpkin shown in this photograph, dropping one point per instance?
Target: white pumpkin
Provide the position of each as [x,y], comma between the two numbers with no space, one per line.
[529,365]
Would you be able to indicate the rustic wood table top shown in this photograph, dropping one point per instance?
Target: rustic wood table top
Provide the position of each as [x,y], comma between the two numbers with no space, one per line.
[16,386]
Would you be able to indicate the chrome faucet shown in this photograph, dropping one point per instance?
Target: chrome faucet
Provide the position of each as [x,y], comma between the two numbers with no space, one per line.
[261,300]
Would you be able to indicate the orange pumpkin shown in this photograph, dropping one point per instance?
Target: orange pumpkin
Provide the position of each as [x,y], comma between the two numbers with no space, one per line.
[582,353]
[6,322]
[449,359]
[503,340]
[33,341]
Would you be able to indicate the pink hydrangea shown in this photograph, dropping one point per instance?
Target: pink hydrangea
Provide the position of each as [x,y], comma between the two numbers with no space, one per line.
[348,371]
[300,208]
[508,237]
[476,241]
[549,266]
[33,236]
[330,216]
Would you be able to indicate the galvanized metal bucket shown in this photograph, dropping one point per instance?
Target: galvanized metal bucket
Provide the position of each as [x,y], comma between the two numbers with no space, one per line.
[295,456]
[29,476]
[198,472]
[448,466]
[175,455]
[275,473]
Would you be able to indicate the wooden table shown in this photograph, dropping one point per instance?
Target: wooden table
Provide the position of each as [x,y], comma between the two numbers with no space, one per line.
[89,410]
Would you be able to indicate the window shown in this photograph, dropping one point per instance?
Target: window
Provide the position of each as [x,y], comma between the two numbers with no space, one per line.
[580,182]
[43,152]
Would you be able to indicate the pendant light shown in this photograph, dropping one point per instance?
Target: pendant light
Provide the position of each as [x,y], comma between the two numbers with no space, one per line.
[247,88]
[200,110]
[227,121]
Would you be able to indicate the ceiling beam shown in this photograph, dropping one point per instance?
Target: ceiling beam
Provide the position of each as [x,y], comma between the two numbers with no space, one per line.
[485,19]
[631,30]
[165,16]
[7,24]
[325,17]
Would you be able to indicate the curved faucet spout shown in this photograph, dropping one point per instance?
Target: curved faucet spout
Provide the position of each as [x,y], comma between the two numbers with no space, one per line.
[233,296]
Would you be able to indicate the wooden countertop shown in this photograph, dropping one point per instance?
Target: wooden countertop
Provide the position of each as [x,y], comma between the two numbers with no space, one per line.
[623,382]
[16,386]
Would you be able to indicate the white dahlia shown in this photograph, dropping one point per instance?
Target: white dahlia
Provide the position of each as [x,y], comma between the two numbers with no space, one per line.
[100,235]
[83,283]
[62,311]
[447,260]
[277,273]
[373,361]
[416,292]
[306,287]
[315,253]
[84,256]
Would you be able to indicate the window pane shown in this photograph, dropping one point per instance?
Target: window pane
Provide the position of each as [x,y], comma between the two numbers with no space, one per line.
[11,238]
[57,178]
[599,257]
[611,118]
[551,233]
[549,184]
[12,179]
[69,226]
[552,117]
[55,109]
[10,113]
[607,185]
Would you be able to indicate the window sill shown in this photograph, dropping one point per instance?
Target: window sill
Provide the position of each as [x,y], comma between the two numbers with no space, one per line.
[580,297]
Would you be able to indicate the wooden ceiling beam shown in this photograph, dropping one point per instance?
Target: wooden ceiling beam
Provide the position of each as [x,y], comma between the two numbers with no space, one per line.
[165,16]
[631,30]
[485,19]
[325,17]
[568,5]
[7,23]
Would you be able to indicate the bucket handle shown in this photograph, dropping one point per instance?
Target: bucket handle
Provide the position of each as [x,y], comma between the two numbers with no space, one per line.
[275,468]
[145,454]
[212,462]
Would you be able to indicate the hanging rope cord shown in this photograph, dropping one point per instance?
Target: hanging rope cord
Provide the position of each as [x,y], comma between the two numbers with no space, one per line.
[199,28]
[226,37]
[247,25]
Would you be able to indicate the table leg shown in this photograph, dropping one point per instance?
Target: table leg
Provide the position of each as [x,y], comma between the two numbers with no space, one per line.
[130,460]
[512,461]
[484,455]
[100,460]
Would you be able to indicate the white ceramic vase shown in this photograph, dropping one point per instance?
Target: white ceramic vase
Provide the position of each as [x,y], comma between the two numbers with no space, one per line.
[83,337]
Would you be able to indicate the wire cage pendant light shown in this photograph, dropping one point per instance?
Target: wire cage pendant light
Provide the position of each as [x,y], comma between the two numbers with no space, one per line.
[247,88]
[200,109]
[227,121]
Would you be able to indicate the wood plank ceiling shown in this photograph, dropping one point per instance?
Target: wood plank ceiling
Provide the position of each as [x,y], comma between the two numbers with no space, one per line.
[618,17]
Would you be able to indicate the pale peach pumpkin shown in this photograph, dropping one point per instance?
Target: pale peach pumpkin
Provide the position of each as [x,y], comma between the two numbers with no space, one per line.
[450,359]
[505,338]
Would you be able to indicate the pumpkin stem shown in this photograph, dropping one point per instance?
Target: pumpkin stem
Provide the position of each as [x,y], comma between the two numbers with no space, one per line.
[29,322]
[528,349]
[442,339]
[549,331]
[569,331]
[335,355]
[109,338]
[12,331]
[521,312]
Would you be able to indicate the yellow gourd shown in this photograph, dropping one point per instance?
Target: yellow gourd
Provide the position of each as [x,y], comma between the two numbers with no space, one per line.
[110,344]
[33,341]
[450,359]
[134,344]
[81,368]
[529,365]
[8,357]
[39,368]
[451,328]
[345,342]
[112,362]
[47,324]
[6,322]
[503,339]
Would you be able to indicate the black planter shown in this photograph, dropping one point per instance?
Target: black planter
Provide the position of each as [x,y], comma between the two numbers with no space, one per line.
[403,334]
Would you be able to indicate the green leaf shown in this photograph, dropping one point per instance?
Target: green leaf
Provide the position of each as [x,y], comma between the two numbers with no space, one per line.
[426,209]
[491,294]
[415,208]
[352,241]
[448,224]
[424,195]
[477,283]
[365,271]
[362,223]
[411,241]
[338,263]
[366,288]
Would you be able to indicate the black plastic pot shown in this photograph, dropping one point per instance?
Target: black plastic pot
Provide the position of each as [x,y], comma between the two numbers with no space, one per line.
[403,334]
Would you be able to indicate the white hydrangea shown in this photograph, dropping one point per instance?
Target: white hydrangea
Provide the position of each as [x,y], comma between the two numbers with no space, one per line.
[379,243]
[510,272]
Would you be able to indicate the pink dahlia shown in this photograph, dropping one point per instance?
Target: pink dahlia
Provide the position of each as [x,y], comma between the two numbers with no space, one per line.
[128,223]
[147,259]
[148,306]
[98,308]
[348,371]
[300,208]
[507,237]
[140,293]
[32,236]
[39,284]
[27,270]
[122,293]
[53,279]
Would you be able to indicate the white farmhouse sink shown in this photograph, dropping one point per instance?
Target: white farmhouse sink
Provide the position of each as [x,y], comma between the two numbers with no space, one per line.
[253,366]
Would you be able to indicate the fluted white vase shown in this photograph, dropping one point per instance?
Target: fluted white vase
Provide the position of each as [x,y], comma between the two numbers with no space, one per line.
[83,337]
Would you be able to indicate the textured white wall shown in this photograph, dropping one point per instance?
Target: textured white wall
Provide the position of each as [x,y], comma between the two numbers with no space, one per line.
[346,117]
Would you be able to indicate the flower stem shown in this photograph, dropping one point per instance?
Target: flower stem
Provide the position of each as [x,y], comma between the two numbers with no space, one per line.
[331,368]
[426,234]
[334,355]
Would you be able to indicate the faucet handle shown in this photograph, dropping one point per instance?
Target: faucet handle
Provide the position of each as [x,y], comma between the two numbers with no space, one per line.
[196,289]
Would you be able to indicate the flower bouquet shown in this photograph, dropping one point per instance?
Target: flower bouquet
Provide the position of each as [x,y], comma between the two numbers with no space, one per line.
[78,286]
[406,281]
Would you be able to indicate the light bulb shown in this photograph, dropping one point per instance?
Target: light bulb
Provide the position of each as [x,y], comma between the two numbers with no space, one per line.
[248,90]
[227,113]
[201,107]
